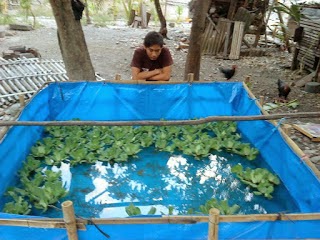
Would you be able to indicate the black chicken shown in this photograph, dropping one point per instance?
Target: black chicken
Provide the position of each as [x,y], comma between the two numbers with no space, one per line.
[284,89]
[228,72]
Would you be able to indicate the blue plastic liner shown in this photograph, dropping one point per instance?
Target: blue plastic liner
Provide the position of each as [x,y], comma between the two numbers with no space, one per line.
[124,102]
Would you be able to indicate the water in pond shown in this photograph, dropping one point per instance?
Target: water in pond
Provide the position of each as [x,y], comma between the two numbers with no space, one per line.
[162,180]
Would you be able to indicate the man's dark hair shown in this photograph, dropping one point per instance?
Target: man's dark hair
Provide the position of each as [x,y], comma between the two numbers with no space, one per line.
[153,38]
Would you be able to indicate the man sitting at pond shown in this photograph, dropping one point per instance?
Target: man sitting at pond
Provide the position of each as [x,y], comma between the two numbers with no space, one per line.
[152,61]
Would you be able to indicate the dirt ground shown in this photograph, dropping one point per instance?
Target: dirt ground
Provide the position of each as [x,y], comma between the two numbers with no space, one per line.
[111,50]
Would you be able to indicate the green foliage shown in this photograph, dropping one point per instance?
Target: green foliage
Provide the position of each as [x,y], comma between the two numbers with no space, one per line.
[39,188]
[18,205]
[293,11]
[40,150]
[179,11]
[152,211]
[259,179]
[132,210]
[6,19]
[223,207]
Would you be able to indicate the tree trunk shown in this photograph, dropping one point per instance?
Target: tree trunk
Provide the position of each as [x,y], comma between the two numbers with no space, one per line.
[87,13]
[283,28]
[197,29]
[163,22]
[72,43]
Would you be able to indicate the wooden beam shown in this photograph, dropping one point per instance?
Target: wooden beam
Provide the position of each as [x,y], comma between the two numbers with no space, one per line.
[317,76]
[232,9]
[163,123]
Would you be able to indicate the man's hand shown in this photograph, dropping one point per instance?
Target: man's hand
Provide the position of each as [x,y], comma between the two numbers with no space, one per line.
[163,75]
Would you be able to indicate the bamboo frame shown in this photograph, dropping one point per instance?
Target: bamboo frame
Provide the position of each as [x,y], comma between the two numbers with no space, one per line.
[290,142]
[213,224]
[80,224]
[166,219]
[161,123]
[70,220]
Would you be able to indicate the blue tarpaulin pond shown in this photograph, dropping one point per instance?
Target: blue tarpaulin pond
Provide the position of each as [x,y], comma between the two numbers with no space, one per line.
[110,101]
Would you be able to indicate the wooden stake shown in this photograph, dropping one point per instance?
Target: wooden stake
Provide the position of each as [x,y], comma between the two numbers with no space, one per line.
[317,75]
[21,100]
[70,220]
[261,100]
[213,224]
[247,80]
[286,129]
[118,77]
[190,77]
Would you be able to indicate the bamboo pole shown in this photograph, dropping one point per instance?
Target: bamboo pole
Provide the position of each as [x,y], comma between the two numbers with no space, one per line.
[290,142]
[213,224]
[163,123]
[21,100]
[70,220]
[190,77]
[261,100]
[286,129]
[43,223]
[59,223]
[117,77]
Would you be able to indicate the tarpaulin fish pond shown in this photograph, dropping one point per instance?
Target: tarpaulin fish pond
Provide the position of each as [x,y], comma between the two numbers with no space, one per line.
[110,101]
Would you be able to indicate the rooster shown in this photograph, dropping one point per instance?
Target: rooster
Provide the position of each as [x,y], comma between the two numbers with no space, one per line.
[228,72]
[284,90]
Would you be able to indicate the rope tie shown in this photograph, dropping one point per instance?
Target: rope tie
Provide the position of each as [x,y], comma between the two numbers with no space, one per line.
[280,122]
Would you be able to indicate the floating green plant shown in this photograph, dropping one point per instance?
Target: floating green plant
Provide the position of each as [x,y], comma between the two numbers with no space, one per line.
[223,207]
[259,179]
[86,145]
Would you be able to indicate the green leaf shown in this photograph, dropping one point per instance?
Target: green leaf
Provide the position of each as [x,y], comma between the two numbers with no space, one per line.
[152,211]
[132,210]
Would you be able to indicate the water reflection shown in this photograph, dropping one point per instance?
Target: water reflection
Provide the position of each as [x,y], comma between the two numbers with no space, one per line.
[65,174]
[160,180]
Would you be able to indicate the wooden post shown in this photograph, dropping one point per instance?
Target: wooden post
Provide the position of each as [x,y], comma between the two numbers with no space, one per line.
[70,220]
[143,16]
[213,224]
[247,81]
[118,77]
[237,36]
[284,30]
[226,42]
[131,17]
[21,100]
[232,9]
[317,75]
[261,100]
[286,129]
[87,12]
[190,77]
[294,63]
